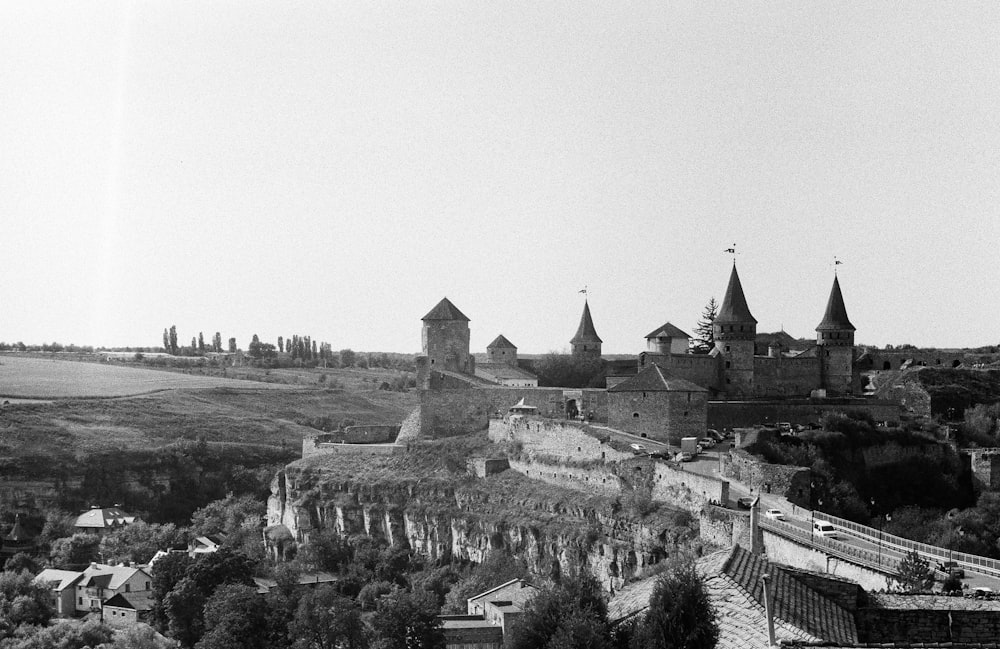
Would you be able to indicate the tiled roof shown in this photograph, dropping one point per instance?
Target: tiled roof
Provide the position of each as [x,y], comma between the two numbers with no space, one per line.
[835,318]
[119,601]
[101,517]
[655,379]
[445,310]
[586,333]
[667,331]
[502,371]
[63,578]
[734,305]
[109,576]
[732,580]
[500,342]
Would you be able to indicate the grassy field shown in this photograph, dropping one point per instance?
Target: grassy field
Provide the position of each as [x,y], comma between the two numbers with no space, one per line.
[42,378]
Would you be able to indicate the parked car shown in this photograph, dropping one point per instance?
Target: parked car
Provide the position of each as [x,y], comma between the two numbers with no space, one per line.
[719,437]
[684,457]
[824,528]
[775,514]
[951,568]
[638,449]
[706,442]
[745,502]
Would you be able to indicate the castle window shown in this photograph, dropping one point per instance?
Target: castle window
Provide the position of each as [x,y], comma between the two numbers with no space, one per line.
[635,415]
[685,413]
[727,348]
[728,365]
[689,397]
[729,380]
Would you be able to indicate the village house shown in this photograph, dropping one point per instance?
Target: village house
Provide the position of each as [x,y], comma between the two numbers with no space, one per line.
[99,520]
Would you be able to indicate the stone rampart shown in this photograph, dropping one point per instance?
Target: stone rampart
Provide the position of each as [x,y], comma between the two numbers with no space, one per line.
[724,527]
[482,467]
[564,440]
[598,479]
[791,482]
[673,484]
[780,549]
[446,413]
[312,446]
[726,415]
[929,618]
[785,377]
[367,434]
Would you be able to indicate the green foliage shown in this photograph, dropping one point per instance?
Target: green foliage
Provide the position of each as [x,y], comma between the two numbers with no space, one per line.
[680,615]
[568,371]
[326,620]
[572,611]
[407,620]
[914,576]
[22,602]
[22,561]
[982,425]
[140,636]
[76,551]
[235,618]
[139,541]
[951,584]
[64,634]
[704,332]
[325,550]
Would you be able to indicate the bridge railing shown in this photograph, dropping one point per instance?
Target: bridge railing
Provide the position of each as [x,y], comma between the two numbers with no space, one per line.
[968,561]
[861,556]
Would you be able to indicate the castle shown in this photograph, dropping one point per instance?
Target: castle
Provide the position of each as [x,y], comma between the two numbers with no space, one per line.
[667,392]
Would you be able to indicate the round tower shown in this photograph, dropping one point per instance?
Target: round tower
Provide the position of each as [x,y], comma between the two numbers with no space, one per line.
[835,339]
[735,330]
[586,343]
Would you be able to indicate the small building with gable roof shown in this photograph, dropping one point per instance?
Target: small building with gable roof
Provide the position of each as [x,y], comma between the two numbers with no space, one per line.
[99,520]
[658,405]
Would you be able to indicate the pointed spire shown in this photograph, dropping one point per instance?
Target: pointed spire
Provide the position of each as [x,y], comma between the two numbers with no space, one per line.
[586,333]
[445,310]
[17,533]
[734,305]
[835,318]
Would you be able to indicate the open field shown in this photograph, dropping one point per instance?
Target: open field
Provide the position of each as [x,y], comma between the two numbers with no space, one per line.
[41,378]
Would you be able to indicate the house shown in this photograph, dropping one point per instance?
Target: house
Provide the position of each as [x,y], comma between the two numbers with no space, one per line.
[61,583]
[100,583]
[204,545]
[490,614]
[99,520]
[120,613]
[808,608]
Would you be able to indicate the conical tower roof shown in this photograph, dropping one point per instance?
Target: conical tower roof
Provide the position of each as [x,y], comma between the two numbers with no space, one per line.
[501,342]
[445,310]
[17,533]
[586,333]
[835,318]
[734,306]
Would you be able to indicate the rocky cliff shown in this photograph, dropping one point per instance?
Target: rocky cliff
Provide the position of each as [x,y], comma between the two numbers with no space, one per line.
[426,498]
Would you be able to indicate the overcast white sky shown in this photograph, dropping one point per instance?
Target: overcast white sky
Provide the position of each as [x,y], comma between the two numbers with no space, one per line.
[334,168]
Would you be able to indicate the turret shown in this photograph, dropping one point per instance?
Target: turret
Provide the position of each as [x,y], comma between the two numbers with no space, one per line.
[735,331]
[445,342]
[502,350]
[586,343]
[835,339]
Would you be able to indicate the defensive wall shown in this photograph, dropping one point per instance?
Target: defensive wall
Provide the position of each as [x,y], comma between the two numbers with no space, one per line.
[785,377]
[726,415]
[821,555]
[886,360]
[456,411]
[700,369]
[790,482]
[568,442]
[724,527]
[985,466]
[315,445]
[892,618]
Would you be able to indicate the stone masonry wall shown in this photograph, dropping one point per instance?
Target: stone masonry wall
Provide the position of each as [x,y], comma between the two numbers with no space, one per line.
[700,369]
[724,527]
[446,413]
[785,377]
[726,415]
[366,435]
[880,625]
[598,479]
[789,481]
[692,491]
[566,441]
[783,550]
[663,416]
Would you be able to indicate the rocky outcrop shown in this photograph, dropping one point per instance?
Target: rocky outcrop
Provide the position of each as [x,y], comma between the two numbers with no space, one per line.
[462,518]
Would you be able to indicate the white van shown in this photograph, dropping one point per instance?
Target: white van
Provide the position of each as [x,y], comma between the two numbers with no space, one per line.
[824,528]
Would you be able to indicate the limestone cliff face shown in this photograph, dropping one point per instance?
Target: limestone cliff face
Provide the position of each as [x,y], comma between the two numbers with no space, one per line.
[462,519]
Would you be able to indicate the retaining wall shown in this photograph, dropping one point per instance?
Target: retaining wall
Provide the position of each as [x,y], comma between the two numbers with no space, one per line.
[791,482]
[560,439]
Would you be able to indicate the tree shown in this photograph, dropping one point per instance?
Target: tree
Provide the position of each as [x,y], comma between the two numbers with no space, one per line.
[232,345]
[217,342]
[141,636]
[22,601]
[281,344]
[680,616]
[201,342]
[235,618]
[166,341]
[64,634]
[704,331]
[914,575]
[347,357]
[139,541]
[75,551]
[572,611]
[168,571]
[173,340]
[497,568]
[407,620]
[325,620]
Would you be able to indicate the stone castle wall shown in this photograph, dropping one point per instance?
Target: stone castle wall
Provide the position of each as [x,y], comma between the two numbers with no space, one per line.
[664,416]
[692,491]
[700,369]
[793,483]
[565,441]
[785,377]
[724,527]
[930,618]
[601,480]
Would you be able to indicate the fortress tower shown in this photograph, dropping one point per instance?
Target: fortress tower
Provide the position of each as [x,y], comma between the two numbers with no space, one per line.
[835,340]
[586,343]
[735,331]
[502,350]
[445,341]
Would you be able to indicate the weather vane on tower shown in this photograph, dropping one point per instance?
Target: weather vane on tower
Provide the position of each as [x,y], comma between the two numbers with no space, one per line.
[732,251]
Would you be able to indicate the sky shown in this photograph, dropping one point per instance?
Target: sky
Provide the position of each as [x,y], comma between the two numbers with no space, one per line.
[334,169]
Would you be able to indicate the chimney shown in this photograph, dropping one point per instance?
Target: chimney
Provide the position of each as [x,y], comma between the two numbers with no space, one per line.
[768,609]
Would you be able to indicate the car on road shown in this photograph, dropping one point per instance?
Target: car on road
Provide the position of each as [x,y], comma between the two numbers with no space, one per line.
[683,456]
[706,442]
[775,514]
[824,528]
[745,502]
[951,568]
[983,591]
[638,449]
